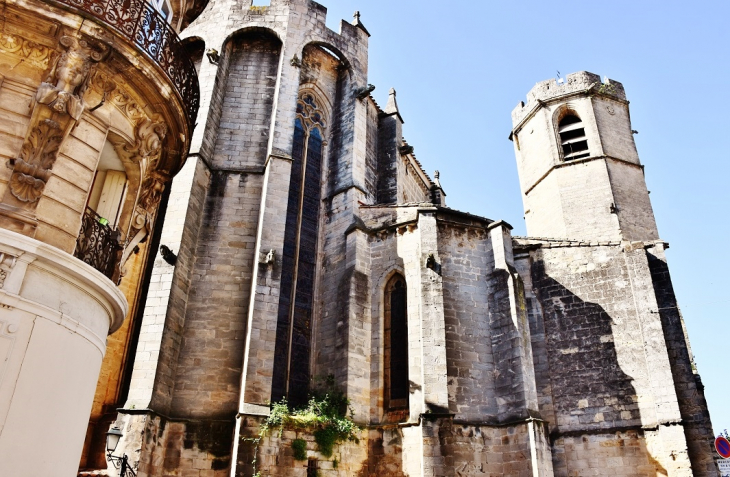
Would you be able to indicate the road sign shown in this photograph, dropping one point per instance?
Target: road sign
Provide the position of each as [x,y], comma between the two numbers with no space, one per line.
[722,446]
[724,466]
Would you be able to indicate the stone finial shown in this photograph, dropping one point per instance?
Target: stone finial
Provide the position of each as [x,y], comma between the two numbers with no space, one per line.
[436,180]
[356,22]
[392,106]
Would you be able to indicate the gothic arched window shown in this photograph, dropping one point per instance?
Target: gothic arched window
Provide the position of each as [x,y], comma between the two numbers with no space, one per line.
[396,344]
[294,322]
[573,137]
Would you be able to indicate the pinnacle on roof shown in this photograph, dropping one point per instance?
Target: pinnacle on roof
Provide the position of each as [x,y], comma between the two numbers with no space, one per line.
[356,22]
[392,106]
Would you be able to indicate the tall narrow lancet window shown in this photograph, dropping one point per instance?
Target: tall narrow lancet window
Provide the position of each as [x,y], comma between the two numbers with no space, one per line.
[294,322]
[396,344]
[573,138]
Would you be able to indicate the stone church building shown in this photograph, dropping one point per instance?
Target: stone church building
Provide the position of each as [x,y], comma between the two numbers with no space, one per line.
[290,233]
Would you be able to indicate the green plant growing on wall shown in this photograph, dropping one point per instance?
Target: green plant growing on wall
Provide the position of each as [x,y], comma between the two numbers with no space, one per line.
[325,415]
[299,446]
[607,88]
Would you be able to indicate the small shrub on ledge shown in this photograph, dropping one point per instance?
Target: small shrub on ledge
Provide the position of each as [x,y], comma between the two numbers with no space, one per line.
[325,416]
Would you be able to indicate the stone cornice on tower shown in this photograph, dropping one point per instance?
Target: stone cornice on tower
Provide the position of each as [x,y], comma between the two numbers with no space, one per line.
[575,84]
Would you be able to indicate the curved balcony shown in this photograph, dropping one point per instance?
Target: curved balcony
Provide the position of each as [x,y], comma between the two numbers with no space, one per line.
[99,245]
[142,25]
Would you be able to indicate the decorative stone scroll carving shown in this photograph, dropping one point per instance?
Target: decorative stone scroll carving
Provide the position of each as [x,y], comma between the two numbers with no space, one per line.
[147,148]
[146,152]
[32,169]
[27,50]
[63,91]
[7,262]
[114,89]
[144,213]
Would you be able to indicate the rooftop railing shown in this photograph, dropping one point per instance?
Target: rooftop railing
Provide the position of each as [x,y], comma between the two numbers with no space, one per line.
[142,25]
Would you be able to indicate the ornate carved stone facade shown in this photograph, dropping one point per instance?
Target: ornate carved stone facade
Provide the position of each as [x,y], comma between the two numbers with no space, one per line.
[95,124]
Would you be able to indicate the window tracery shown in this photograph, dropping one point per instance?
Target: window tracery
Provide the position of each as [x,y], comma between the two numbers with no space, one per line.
[309,112]
[294,325]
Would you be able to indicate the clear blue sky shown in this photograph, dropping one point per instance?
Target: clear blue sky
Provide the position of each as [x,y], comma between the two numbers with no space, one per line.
[460,67]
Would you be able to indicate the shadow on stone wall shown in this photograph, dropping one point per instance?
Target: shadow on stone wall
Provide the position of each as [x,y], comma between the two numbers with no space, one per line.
[589,389]
[688,386]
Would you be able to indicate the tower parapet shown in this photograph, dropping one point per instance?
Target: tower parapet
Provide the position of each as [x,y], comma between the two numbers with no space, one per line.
[579,82]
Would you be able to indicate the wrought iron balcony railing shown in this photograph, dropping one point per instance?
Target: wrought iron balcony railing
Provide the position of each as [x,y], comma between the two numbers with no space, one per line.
[142,25]
[99,245]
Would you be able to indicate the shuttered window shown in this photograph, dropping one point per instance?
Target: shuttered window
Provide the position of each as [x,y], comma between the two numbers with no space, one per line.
[573,138]
[109,188]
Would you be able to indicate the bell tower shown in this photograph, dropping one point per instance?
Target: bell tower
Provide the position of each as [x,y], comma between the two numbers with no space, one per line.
[579,171]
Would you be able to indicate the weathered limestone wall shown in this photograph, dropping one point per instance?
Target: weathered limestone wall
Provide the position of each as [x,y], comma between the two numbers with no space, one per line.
[247,98]
[160,336]
[209,364]
[621,453]
[635,214]
[465,254]
[401,179]
[274,456]
[163,447]
[373,148]
[392,250]
[398,250]
[614,126]
[390,139]
[687,382]
[520,449]
[575,202]
[413,183]
[606,356]
[515,375]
